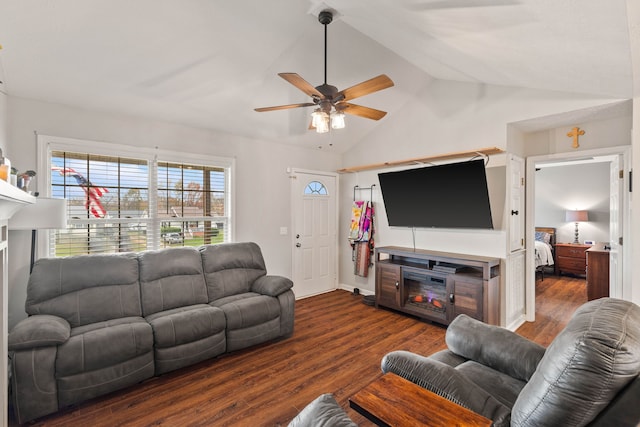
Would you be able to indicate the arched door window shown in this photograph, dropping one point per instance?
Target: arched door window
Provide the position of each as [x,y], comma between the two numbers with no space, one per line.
[316,188]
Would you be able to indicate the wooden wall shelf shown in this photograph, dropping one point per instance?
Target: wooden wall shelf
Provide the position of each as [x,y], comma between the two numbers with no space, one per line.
[419,160]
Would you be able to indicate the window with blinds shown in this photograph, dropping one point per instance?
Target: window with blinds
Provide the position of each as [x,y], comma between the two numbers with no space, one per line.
[118,204]
[191,204]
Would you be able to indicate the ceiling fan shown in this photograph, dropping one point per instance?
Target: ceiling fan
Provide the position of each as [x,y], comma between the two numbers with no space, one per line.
[331,104]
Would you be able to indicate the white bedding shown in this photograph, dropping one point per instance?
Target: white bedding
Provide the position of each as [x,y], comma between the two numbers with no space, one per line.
[544,256]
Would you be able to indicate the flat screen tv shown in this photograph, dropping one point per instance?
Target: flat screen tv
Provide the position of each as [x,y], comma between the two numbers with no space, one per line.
[453,195]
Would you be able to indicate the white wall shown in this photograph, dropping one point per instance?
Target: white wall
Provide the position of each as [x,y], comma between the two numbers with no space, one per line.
[582,186]
[445,117]
[611,132]
[262,184]
[3,123]
[633,15]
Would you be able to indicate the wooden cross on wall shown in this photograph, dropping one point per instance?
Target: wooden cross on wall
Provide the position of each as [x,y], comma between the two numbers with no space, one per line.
[575,133]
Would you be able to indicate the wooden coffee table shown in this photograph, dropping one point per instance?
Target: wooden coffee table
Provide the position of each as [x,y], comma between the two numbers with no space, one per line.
[393,401]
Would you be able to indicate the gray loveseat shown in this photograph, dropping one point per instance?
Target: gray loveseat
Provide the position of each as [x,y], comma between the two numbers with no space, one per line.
[587,376]
[98,323]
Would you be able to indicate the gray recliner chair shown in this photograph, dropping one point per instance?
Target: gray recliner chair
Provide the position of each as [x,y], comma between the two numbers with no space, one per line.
[587,376]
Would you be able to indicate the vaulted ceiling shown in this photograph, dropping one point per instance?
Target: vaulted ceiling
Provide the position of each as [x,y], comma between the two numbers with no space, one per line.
[209,63]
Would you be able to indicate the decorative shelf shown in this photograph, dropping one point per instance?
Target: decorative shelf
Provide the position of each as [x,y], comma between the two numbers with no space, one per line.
[12,199]
[419,160]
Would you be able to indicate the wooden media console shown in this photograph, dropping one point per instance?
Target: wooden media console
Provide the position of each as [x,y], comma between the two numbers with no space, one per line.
[438,286]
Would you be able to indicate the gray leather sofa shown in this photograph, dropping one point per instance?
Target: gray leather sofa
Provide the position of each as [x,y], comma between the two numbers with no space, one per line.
[587,376]
[98,323]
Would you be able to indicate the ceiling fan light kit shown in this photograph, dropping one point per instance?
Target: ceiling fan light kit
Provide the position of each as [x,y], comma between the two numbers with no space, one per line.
[337,120]
[320,121]
[331,104]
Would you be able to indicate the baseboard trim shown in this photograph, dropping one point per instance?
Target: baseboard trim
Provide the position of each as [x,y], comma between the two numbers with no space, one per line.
[351,288]
[516,323]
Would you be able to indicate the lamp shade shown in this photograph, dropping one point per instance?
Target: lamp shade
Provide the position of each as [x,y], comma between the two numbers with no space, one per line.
[577,216]
[45,213]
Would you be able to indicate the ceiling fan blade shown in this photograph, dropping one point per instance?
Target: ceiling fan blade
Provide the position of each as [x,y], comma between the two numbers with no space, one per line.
[284,107]
[301,84]
[372,85]
[359,110]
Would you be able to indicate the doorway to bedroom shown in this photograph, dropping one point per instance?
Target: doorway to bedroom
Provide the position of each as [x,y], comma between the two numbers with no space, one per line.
[589,182]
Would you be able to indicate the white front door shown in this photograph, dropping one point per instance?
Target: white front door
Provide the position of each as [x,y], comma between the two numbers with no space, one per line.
[314,233]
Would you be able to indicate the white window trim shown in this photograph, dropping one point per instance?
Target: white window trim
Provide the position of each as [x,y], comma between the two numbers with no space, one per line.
[45,144]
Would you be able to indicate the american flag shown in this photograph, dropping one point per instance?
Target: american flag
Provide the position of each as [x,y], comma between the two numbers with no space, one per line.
[92,192]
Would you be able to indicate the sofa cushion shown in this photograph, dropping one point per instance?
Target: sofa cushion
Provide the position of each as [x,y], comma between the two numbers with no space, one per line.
[171,278]
[501,386]
[186,324]
[493,346]
[448,357]
[103,344]
[231,268]
[89,384]
[243,311]
[585,367]
[85,289]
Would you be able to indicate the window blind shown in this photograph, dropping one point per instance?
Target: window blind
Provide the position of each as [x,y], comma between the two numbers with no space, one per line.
[118,204]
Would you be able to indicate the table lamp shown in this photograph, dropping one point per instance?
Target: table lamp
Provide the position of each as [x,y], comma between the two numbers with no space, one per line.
[577,216]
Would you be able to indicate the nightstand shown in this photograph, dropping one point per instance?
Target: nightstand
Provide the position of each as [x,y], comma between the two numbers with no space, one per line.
[571,258]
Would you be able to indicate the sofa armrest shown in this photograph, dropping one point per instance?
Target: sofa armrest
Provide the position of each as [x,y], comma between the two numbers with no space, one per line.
[323,411]
[446,381]
[271,285]
[41,330]
[493,346]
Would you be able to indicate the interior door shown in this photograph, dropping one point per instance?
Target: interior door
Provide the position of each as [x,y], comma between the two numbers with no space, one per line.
[516,203]
[314,233]
[615,226]
[515,290]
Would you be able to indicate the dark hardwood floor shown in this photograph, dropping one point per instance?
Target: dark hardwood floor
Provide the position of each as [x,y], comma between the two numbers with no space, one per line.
[336,347]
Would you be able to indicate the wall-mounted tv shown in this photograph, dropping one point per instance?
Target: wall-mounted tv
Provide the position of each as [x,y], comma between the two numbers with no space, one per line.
[453,195]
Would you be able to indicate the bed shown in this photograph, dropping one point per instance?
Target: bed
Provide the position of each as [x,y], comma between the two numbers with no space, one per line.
[545,239]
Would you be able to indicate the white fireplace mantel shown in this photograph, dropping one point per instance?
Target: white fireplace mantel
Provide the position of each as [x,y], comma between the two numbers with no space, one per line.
[11,200]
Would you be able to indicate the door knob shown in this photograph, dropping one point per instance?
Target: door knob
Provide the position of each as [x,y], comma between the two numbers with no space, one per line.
[298,245]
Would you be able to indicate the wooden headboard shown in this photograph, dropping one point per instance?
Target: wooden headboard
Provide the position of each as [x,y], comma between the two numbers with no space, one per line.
[551,231]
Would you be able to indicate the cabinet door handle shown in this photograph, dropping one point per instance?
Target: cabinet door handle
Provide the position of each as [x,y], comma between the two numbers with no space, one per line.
[452,298]
[397,285]
[514,212]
